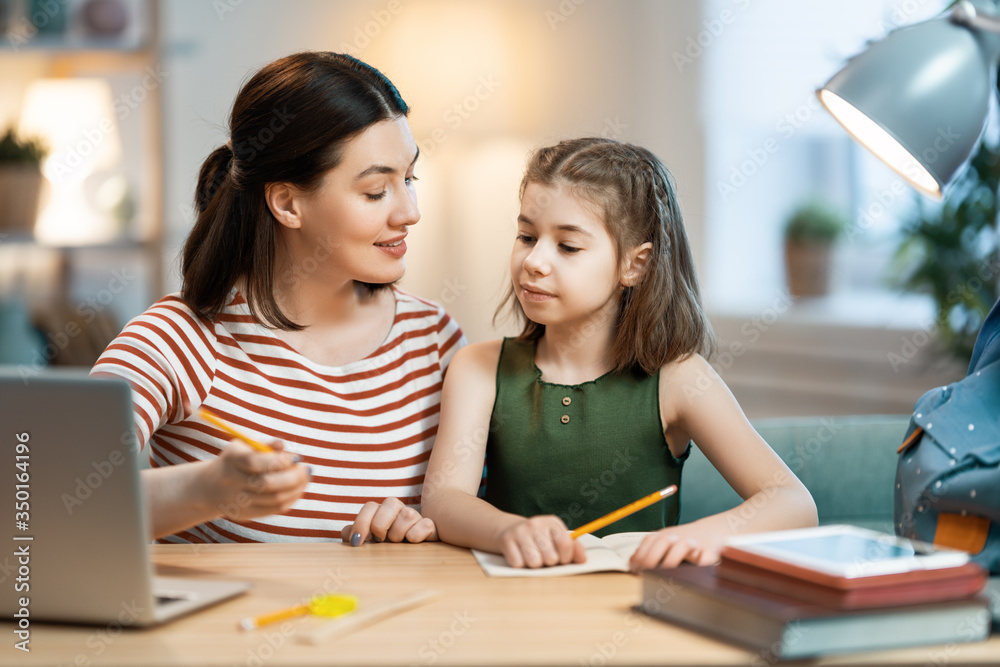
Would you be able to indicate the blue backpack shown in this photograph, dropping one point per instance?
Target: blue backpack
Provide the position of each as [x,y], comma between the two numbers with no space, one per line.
[948,473]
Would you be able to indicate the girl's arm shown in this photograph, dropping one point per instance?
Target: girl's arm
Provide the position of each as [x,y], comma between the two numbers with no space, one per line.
[697,405]
[456,466]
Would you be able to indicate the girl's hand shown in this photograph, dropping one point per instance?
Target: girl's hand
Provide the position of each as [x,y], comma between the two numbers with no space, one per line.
[391,521]
[539,541]
[669,547]
[243,484]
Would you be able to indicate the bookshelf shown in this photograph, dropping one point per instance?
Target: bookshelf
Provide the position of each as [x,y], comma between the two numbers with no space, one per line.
[86,272]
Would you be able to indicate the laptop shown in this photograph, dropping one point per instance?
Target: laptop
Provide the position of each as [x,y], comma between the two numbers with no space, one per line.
[72,510]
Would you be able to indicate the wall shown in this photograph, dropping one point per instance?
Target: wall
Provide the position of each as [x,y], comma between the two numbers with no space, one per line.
[487,82]
[522,73]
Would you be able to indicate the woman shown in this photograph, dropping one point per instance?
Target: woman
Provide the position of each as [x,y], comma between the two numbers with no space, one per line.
[288,327]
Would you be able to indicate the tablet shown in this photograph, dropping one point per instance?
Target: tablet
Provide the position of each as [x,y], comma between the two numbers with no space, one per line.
[839,551]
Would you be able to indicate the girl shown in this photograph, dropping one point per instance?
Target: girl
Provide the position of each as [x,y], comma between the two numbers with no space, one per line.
[288,326]
[595,404]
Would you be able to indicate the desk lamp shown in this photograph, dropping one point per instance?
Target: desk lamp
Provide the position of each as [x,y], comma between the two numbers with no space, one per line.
[919,98]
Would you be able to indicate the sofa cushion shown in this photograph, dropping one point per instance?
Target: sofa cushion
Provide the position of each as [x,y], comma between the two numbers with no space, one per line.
[848,463]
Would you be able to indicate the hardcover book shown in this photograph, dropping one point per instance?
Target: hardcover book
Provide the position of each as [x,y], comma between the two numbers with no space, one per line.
[785,628]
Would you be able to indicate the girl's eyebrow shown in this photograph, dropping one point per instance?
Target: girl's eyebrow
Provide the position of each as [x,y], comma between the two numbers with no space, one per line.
[384,169]
[566,227]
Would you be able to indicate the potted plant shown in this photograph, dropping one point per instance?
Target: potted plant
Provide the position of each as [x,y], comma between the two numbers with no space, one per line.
[20,183]
[951,251]
[810,234]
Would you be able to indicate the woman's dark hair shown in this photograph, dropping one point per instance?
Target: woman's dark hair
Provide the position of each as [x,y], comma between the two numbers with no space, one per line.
[289,124]
[660,318]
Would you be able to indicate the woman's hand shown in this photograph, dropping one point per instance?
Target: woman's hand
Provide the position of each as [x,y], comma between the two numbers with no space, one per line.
[390,521]
[540,541]
[669,547]
[243,484]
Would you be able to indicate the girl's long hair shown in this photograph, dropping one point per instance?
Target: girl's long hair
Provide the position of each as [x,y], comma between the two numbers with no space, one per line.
[661,317]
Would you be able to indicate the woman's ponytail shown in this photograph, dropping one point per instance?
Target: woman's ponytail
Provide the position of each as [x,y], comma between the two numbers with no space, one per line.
[213,172]
[209,267]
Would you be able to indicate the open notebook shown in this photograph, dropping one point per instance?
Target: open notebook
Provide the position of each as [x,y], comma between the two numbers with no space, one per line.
[610,553]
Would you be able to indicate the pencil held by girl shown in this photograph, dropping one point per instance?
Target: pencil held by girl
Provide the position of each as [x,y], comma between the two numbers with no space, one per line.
[598,399]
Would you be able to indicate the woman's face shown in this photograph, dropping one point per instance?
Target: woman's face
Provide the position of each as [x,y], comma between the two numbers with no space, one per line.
[353,225]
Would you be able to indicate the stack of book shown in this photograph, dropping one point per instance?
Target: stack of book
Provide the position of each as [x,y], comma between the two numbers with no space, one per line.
[798,594]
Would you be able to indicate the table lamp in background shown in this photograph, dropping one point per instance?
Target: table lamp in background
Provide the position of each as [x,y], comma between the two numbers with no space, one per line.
[75,117]
[919,99]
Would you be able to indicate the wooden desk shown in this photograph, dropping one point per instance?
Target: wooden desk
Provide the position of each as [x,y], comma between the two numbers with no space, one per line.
[581,621]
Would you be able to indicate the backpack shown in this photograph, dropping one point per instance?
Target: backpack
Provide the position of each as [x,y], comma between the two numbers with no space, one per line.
[948,473]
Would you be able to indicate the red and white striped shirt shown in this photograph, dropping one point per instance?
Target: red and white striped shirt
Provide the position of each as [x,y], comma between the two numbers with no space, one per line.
[365,428]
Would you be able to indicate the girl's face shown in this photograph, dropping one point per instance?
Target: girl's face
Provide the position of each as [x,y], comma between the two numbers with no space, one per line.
[563,265]
[352,227]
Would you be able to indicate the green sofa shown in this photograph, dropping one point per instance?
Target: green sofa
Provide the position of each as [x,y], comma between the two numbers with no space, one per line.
[847,463]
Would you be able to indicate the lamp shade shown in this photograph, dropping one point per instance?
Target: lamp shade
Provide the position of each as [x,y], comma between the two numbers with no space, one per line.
[918,99]
[76,118]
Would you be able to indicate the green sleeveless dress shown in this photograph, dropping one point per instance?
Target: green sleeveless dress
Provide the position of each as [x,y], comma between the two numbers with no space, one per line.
[578,451]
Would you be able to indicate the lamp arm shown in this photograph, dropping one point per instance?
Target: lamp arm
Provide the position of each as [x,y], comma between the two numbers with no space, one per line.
[966,14]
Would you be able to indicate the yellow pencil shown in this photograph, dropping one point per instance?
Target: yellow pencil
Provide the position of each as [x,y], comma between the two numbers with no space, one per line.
[205,414]
[321,605]
[252,622]
[623,512]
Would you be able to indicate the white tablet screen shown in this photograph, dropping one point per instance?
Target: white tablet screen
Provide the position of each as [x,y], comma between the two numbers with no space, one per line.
[846,548]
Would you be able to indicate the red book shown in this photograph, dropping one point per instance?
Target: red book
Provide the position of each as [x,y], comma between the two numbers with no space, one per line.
[885,590]
[847,557]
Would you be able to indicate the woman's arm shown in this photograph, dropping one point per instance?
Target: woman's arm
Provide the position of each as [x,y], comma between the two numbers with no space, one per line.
[240,484]
[455,470]
[697,405]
